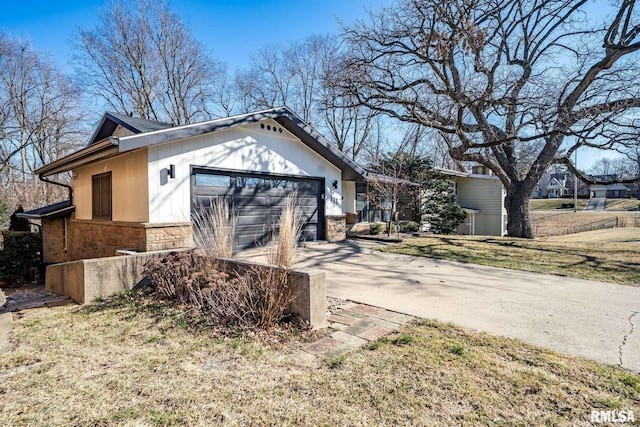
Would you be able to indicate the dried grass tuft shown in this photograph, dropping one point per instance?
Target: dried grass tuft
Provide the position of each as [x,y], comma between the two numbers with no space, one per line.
[215,229]
[255,296]
[284,254]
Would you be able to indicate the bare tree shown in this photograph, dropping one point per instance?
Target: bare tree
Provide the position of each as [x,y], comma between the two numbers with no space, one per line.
[286,75]
[515,85]
[301,75]
[623,167]
[386,179]
[39,116]
[142,60]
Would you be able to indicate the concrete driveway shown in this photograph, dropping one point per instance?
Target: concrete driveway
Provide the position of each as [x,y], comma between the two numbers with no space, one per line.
[586,318]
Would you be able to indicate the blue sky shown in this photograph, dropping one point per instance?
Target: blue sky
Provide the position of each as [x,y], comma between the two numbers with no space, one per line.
[230,29]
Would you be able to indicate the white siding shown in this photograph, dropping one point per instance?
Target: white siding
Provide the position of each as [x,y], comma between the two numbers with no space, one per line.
[349,199]
[243,148]
[486,195]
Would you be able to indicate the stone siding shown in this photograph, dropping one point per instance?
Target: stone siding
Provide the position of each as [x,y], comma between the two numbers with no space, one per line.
[169,236]
[336,227]
[97,239]
[53,240]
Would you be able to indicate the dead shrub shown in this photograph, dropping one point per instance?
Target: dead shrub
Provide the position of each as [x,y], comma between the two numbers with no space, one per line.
[254,296]
[214,229]
[284,254]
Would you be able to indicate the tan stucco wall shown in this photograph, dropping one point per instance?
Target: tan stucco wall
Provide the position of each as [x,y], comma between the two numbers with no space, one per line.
[129,179]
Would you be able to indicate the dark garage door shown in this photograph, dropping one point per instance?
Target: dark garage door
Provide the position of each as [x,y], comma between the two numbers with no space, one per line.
[257,200]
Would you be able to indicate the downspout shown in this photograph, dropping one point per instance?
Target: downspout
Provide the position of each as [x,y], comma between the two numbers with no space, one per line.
[65,226]
[68,187]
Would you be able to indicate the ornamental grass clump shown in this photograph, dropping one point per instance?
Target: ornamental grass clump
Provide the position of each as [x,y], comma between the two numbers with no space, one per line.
[231,294]
[289,231]
[214,229]
[249,297]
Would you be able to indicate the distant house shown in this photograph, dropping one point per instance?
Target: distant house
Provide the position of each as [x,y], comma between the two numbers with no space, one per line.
[632,189]
[610,191]
[558,184]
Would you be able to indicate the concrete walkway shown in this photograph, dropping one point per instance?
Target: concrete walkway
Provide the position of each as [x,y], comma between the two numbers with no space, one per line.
[6,327]
[596,205]
[599,321]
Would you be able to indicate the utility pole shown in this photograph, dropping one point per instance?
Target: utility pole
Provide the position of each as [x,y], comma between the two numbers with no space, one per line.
[575,185]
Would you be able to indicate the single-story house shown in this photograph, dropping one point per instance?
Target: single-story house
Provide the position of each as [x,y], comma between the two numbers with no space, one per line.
[481,196]
[608,191]
[137,182]
[611,191]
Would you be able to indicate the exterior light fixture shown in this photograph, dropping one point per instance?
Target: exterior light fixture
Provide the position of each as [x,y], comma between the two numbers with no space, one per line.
[335,184]
[171,171]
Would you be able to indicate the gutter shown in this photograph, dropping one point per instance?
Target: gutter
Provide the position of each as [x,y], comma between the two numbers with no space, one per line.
[78,155]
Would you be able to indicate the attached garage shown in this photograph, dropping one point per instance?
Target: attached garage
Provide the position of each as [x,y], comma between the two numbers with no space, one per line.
[149,177]
[257,201]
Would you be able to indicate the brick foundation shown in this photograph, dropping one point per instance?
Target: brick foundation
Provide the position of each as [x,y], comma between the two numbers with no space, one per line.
[69,239]
[336,227]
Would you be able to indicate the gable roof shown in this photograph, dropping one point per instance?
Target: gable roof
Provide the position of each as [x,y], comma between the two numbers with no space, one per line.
[102,147]
[110,121]
[282,115]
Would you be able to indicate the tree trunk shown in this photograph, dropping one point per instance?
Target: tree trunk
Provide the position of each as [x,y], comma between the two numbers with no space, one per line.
[517,204]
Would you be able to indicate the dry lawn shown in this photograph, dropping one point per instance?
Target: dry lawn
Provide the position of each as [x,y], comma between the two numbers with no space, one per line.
[547,223]
[551,204]
[606,255]
[622,205]
[610,205]
[124,363]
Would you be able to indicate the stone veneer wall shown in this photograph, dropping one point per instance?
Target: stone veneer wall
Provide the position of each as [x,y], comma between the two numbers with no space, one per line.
[96,239]
[170,235]
[53,240]
[336,227]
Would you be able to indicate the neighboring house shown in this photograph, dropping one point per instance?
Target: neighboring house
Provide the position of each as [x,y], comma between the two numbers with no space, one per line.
[137,182]
[632,189]
[610,191]
[482,197]
[558,184]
